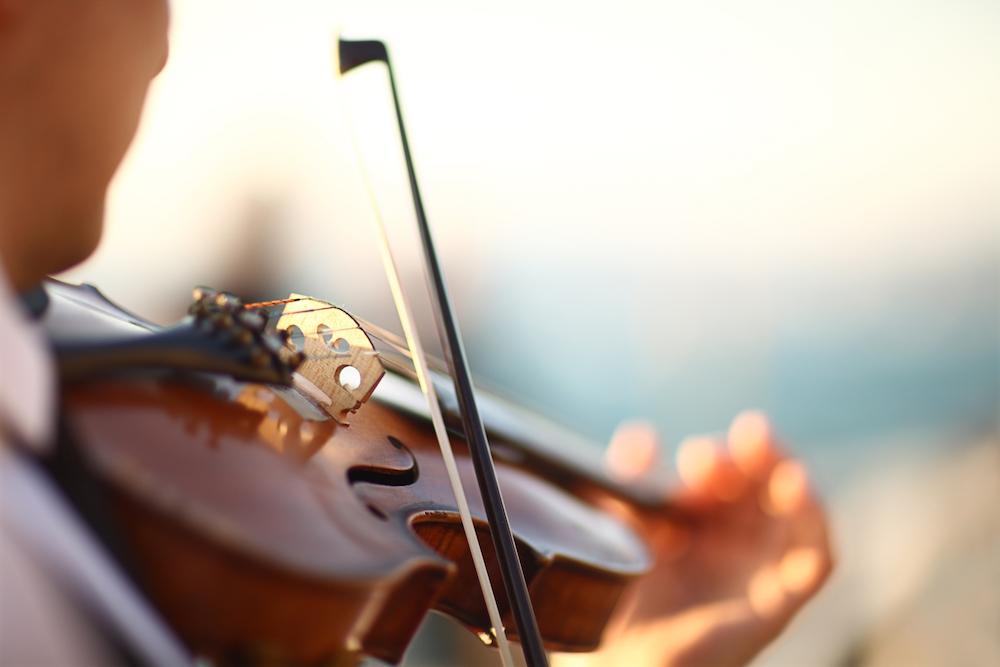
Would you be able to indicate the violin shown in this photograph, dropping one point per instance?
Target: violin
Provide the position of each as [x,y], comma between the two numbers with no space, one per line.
[276,487]
[264,529]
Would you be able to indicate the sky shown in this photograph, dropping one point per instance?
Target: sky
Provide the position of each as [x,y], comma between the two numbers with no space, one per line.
[638,204]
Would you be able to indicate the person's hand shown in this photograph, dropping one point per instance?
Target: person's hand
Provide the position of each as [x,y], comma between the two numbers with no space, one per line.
[738,549]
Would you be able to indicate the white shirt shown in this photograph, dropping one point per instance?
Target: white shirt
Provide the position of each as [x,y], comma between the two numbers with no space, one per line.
[54,574]
[27,376]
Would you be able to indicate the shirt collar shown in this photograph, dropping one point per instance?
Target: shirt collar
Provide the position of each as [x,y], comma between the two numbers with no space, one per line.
[27,373]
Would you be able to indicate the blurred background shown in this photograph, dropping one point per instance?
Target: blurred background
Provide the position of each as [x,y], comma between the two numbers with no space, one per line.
[670,211]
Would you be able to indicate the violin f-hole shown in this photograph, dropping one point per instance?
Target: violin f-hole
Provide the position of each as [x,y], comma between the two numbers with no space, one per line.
[385,476]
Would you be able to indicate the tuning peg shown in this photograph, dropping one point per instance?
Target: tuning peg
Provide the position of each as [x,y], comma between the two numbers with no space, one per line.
[197,309]
[259,357]
[228,300]
[201,292]
[243,336]
[222,321]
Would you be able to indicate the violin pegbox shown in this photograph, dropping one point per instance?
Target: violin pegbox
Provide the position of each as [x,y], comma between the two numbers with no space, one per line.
[341,367]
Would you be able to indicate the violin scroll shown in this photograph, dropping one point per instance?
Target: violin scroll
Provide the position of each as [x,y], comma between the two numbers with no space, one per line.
[218,336]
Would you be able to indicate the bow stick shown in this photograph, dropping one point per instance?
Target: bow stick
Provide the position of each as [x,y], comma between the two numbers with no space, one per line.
[352,54]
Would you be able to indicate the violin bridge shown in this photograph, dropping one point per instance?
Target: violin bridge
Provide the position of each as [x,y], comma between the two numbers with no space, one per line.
[341,367]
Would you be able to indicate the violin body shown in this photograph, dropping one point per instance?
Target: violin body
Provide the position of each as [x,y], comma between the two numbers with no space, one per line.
[246,552]
[265,530]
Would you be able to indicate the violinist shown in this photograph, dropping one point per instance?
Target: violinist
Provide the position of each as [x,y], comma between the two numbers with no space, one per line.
[73,79]
[743,548]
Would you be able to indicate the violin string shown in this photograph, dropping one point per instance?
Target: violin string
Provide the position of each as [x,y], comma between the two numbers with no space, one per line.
[268,304]
[329,331]
[310,310]
[391,340]
[371,330]
[423,377]
[281,302]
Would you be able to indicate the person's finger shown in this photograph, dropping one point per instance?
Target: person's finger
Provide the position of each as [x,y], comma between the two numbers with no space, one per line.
[801,573]
[707,470]
[787,488]
[697,458]
[633,451]
[810,535]
[802,569]
[751,444]
[808,560]
[766,592]
[789,498]
[778,590]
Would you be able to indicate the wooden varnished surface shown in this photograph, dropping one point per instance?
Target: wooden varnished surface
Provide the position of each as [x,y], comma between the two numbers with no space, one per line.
[243,548]
[267,533]
[263,529]
[576,560]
